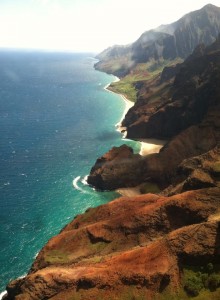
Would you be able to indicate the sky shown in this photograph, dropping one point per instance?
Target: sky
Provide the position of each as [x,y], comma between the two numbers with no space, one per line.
[85,25]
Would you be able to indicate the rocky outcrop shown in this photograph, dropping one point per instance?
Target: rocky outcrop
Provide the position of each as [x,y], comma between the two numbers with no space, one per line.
[197,172]
[187,109]
[169,73]
[165,109]
[114,171]
[139,247]
[118,167]
[101,254]
[166,42]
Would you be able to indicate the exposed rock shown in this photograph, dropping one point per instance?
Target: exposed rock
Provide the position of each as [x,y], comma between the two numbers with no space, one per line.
[188,110]
[136,247]
[197,180]
[196,173]
[126,169]
[169,72]
[166,42]
[118,167]
[102,254]
[167,109]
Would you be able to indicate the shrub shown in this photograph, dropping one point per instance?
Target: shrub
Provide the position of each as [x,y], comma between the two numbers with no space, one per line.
[213,281]
[149,187]
[193,285]
[210,267]
[204,278]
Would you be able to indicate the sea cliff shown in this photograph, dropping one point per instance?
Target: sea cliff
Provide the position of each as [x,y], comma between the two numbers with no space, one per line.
[162,244]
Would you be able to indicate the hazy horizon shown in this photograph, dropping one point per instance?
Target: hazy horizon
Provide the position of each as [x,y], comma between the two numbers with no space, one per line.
[82,25]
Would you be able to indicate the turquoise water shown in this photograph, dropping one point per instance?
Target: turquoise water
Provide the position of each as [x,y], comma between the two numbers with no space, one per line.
[55,120]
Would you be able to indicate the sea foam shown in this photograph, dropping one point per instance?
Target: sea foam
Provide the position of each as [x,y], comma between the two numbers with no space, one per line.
[3,294]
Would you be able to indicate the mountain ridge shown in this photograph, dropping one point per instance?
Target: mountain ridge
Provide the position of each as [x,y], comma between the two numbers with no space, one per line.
[200,26]
[183,110]
[162,244]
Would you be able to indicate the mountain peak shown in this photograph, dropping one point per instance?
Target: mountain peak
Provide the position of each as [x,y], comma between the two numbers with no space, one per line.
[210,6]
[166,42]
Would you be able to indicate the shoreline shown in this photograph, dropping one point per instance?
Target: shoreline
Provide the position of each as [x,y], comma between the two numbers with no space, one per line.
[128,104]
[2,294]
[148,146]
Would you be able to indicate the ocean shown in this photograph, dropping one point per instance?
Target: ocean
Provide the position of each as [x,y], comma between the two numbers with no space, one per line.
[56,119]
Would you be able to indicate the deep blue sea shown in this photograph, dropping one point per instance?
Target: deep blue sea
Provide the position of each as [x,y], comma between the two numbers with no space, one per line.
[55,120]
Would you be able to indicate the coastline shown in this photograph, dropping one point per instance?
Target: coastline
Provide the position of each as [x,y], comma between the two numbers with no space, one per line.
[148,146]
[2,294]
[128,105]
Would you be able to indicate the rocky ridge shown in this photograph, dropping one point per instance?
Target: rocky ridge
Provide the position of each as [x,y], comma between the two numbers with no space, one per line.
[152,246]
[143,247]
[163,109]
[187,111]
[101,255]
[166,42]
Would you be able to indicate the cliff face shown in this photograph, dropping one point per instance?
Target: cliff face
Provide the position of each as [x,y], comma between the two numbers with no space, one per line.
[166,42]
[143,247]
[152,246]
[119,167]
[167,107]
[142,255]
[185,108]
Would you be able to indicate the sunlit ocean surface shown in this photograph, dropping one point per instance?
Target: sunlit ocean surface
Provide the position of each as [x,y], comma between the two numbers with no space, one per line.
[55,120]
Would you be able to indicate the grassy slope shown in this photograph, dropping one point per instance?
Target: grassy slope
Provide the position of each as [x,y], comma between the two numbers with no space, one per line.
[141,72]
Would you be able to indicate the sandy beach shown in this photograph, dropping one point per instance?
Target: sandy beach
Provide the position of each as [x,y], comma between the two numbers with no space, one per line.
[129,192]
[128,105]
[148,146]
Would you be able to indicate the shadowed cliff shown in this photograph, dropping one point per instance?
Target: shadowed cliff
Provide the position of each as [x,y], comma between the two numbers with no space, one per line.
[185,109]
[152,246]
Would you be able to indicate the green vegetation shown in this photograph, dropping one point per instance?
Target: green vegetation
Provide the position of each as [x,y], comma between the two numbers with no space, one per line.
[97,247]
[199,283]
[181,295]
[132,293]
[197,276]
[213,281]
[56,256]
[170,295]
[216,167]
[141,72]
[198,279]
[129,293]
[95,259]
[193,284]
[158,93]
[87,214]
[124,87]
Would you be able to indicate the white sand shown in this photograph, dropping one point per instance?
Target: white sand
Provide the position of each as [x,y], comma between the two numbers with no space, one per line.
[129,192]
[128,105]
[149,146]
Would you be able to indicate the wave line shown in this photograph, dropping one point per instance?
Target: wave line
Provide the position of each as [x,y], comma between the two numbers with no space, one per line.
[84,180]
[75,181]
[3,294]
